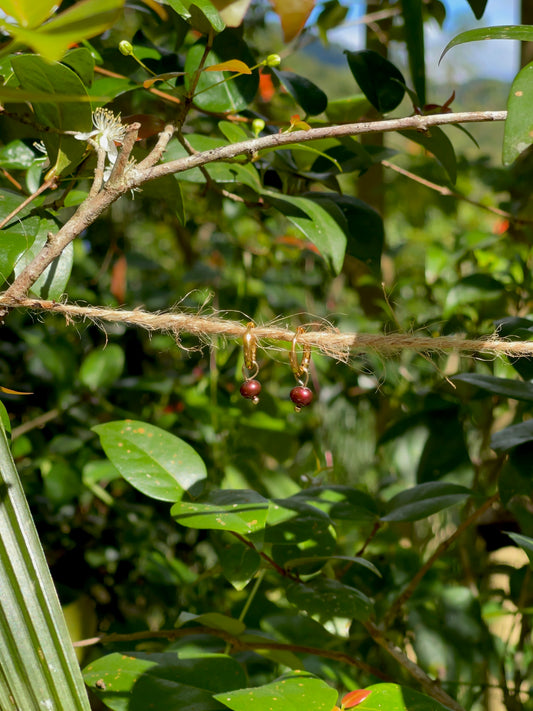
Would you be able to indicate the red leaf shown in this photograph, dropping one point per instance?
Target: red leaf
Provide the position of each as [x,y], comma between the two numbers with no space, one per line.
[353,698]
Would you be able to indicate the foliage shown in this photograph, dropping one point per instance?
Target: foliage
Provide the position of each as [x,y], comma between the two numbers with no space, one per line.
[226,554]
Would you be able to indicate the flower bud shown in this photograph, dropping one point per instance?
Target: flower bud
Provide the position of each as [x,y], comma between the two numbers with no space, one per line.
[257,126]
[125,48]
[273,60]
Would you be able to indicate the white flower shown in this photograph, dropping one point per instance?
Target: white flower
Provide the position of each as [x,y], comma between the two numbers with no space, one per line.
[108,131]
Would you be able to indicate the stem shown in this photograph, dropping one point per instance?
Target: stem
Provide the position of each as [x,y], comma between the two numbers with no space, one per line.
[442,548]
[50,183]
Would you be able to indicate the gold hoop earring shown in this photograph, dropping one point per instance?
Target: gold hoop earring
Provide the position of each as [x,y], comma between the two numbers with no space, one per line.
[251,387]
[301,395]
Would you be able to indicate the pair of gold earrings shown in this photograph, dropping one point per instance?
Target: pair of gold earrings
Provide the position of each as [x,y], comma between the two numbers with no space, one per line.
[300,395]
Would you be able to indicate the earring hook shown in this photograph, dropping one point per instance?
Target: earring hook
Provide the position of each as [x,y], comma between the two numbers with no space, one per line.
[300,369]
[249,345]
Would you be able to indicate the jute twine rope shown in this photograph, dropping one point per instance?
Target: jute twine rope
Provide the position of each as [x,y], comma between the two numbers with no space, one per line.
[326,339]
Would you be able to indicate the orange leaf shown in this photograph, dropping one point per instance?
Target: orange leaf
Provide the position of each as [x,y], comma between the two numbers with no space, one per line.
[298,124]
[232,65]
[13,392]
[156,7]
[353,698]
[293,15]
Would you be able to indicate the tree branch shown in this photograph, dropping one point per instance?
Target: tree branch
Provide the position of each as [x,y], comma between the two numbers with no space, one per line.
[93,207]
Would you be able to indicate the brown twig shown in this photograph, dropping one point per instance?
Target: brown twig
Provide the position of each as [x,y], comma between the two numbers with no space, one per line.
[92,208]
[50,183]
[441,549]
[431,687]
[271,562]
[237,643]
[447,192]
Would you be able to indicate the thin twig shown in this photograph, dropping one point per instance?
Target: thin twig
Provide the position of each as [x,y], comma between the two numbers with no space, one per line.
[447,192]
[441,549]
[236,643]
[431,687]
[98,180]
[132,131]
[50,183]
[34,424]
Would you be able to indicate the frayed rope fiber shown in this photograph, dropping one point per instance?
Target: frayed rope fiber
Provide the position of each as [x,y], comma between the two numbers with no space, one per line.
[327,340]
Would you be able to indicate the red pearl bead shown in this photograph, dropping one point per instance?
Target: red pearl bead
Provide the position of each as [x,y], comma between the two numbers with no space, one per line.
[301,397]
[250,390]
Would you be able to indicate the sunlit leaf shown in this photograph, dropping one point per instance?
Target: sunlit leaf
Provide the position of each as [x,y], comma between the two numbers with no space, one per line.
[293,15]
[519,124]
[232,12]
[524,33]
[232,65]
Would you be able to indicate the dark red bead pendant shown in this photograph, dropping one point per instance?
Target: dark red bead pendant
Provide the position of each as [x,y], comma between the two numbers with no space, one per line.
[250,390]
[301,397]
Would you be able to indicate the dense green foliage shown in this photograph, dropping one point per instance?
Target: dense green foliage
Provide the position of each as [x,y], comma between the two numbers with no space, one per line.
[244,556]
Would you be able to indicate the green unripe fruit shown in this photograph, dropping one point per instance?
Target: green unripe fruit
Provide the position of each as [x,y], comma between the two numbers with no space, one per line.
[257,126]
[273,60]
[125,48]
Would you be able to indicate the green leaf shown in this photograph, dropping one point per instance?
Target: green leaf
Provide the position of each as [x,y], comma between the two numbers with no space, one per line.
[18,235]
[515,478]
[524,542]
[239,564]
[81,61]
[241,511]
[437,142]
[222,92]
[423,500]
[52,282]
[39,667]
[35,74]
[519,123]
[5,421]
[478,7]
[379,80]
[512,436]
[214,620]
[347,110]
[28,13]
[16,155]
[316,224]
[328,598]
[516,389]
[393,697]
[413,29]
[200,14]
[524,33]
[101,368]
[81,21]
[361,224]
[294,691]
[132,681]
[306,94]
[153,461]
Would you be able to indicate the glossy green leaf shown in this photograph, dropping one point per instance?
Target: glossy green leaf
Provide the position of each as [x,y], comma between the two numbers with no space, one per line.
[515,477]
[347,110]
[153,461]
[5,421]
[39,667]
[241,511]
[306,94]
[201,14]
[393,697]
[525,542]
[413,27]
[28,13]
[17,236]
[512,436]
[316,224]
[437,142]
[222,92]
[102,367]
[239,564]
[132,681]
[294,691]
[524,33]
[435,461]
[380,81]
[518,126]
[361,224]
[16,156]
[423,500]
[52,282]
[81,61]
[214,620]
[328,598]
[516,389]
[298,562]
[35,74]
[83,20]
